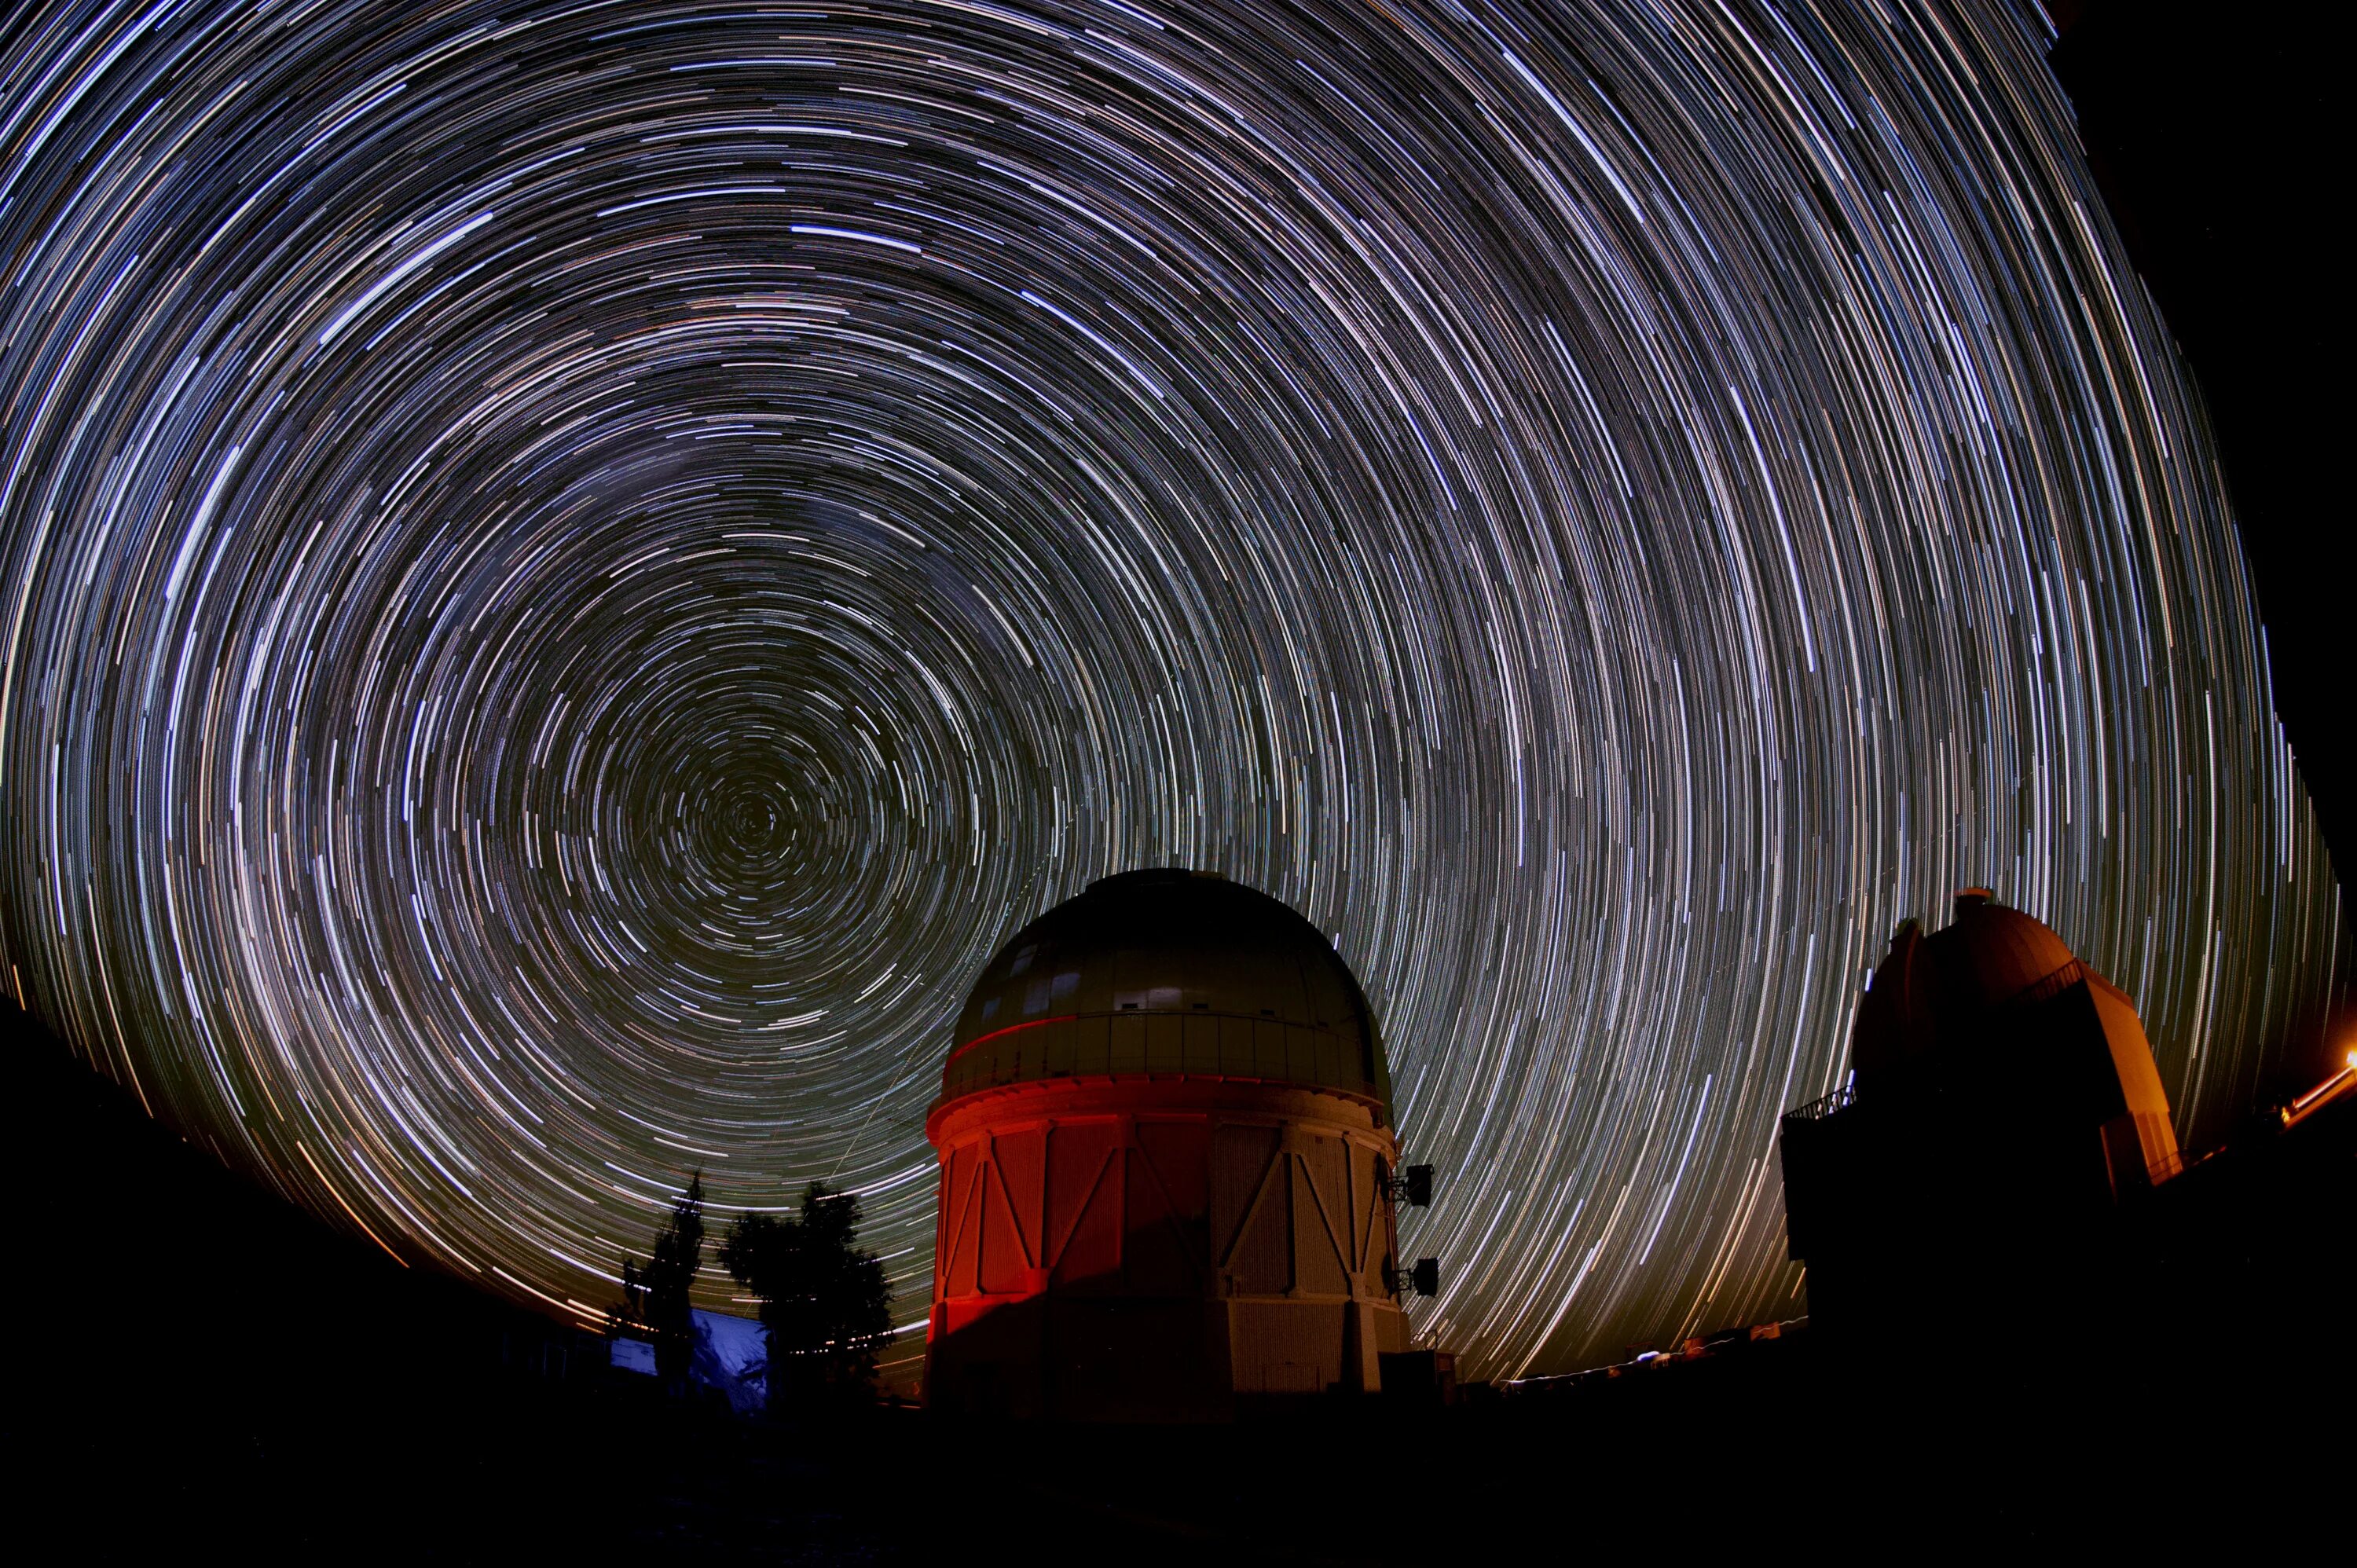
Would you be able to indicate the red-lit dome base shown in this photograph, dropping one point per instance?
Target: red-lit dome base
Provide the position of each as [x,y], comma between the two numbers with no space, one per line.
[1158,1247]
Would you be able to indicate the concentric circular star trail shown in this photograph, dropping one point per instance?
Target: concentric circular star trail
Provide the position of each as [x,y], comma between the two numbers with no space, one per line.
[571,570]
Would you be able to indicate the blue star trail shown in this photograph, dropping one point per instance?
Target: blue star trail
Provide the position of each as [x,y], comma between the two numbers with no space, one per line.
[572,570]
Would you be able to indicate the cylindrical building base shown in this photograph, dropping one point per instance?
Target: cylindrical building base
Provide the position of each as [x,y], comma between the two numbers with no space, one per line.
[1159,1247]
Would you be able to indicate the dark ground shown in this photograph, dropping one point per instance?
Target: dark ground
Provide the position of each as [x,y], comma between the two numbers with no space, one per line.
[193,1367]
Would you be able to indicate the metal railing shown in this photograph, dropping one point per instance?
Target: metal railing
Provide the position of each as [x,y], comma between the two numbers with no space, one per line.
[1841,1099]
[2046,988]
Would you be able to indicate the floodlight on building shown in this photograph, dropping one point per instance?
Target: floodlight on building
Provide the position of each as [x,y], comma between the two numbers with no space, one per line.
[1413,1187]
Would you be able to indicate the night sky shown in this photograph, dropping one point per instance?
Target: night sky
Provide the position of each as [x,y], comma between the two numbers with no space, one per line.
[571,571]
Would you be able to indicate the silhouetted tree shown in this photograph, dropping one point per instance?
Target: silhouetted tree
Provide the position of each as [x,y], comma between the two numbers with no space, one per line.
[825,1304]
[629,1317]
[656,1299]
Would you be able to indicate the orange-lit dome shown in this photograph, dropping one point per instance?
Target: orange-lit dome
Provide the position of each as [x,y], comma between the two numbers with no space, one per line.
[1170,971]
[1990,954]
[1986,957]
[2004,1101]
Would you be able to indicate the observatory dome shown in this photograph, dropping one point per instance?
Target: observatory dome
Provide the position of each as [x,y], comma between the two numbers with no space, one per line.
[1165,1167]
[1989,958]
[1990,954]
[1170,971]
[2003,1101]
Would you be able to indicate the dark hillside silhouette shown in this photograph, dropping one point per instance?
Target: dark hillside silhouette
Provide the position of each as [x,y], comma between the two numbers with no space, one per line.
[2210,137]
[313,1395]
[206,1365]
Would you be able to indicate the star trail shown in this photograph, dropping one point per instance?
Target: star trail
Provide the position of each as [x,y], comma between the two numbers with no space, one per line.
[572,570]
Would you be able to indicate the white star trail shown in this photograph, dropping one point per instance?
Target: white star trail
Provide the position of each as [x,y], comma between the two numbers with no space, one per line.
[572,571]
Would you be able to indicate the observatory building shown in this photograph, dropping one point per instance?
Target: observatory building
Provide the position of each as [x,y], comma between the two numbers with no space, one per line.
[1165,1165]
[2002,1106]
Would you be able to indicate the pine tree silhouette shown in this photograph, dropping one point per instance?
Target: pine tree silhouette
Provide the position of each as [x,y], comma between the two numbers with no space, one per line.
[656,1298]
